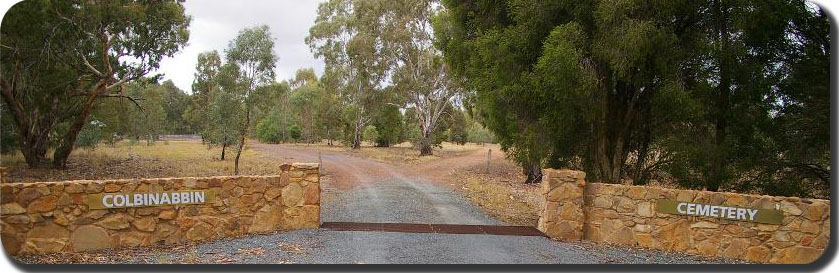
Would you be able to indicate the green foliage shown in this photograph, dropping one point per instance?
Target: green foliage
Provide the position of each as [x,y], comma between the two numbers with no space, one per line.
[388,124]
[478,134]
[225,118]
[45,93]
[294,132]
[370,133]
[457,127]
[268,131]
[707,94]
[347,36]
[9,135]
[90,136]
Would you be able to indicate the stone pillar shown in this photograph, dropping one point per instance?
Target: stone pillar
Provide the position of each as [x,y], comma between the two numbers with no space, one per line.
[562,212]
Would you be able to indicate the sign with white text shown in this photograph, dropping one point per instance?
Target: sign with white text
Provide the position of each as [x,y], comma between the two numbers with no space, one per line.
[149,199]
[766,216]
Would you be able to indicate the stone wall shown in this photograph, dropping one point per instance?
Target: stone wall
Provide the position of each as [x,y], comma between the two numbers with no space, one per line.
[47,217]
[627,215]
[562,212]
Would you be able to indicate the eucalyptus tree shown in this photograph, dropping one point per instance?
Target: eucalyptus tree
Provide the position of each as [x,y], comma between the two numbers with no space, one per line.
[60,57]
[206,71]
[252,53]
[225,110]
[419,73]
[347,36]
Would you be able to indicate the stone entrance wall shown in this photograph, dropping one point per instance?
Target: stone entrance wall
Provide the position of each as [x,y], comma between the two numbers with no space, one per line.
[626,215]
[47,217]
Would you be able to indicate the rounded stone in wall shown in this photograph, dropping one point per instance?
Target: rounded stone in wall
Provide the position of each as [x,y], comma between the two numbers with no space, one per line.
[292,195]
[90,238]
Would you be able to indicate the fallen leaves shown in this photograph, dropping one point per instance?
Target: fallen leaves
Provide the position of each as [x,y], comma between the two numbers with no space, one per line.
[293,248]
[251,251]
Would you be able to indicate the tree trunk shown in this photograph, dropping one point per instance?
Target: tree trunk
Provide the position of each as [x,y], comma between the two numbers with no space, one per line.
[34,133]
[533,170]
[61,154]
[238,154]
[242,133]
[425,144]
[356,143]
[35,155]
[223,147]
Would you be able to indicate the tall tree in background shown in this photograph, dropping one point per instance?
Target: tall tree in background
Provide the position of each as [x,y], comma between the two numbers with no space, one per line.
[252,52]
[347,36]
[420,74]
[60,57]
[206,71]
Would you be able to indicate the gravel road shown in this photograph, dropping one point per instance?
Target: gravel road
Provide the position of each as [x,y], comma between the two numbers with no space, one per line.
[370,191]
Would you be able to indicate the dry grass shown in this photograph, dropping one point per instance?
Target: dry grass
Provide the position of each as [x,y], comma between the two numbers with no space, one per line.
[127,160]
[502,196]
[405,154]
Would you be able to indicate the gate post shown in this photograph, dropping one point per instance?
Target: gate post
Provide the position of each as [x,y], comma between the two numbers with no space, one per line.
[562,212]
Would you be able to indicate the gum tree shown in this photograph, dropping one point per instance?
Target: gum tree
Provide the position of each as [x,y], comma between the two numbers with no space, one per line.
[60,57]
[347,36]
[419,73]
[252,53]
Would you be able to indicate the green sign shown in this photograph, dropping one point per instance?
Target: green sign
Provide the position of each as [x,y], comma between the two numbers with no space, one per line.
[149,199]
[766,216]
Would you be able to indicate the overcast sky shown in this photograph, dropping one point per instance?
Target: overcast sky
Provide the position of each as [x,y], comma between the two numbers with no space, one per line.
[216,22]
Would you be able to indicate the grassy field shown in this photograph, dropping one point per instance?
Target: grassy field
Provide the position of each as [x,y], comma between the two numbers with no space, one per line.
[404,154]
[138,160]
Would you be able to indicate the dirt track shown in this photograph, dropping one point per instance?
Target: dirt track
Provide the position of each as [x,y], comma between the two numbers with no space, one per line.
[348,171]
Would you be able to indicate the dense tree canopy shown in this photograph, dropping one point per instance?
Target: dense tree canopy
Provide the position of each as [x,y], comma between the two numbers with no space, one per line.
[60,57]
[702,92]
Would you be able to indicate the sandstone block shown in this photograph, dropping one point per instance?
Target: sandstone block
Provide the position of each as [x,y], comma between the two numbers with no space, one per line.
[200,231]
[90,238]
[115,221]
[43,204]
[602,202]
[26,195]
[292,195]
[790,208]
[674,236]
[43,245]
[810,227]
[145,223]
[112,188]
[645,209]
[311,195]
[95,187]
[816,211]
[757,253]
[17,219]
[797,255]
[11,209]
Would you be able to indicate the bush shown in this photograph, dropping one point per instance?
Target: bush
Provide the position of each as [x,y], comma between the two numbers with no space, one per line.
[370,133]
[268,131]
[294,132]
[480,135]
[90,135]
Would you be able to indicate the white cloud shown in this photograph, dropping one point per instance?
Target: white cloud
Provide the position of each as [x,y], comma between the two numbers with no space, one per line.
[216,22]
